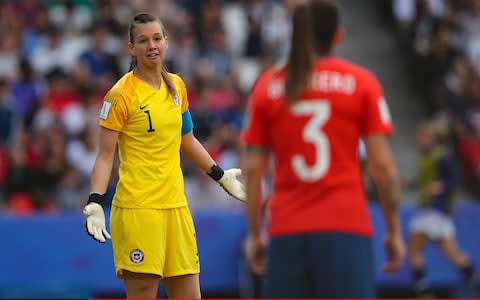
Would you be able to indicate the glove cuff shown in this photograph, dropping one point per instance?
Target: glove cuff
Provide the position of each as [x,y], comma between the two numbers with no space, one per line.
[96,198]
[216,173]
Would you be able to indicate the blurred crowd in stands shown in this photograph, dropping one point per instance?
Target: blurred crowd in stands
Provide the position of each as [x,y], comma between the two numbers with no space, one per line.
[58,59]
[441,39]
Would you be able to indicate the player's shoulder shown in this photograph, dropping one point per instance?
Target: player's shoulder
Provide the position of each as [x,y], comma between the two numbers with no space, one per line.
[361,73]
[177,79]
[123,89]
[266,81]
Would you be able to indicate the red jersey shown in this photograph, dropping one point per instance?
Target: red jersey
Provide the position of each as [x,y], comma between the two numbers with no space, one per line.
[318,184]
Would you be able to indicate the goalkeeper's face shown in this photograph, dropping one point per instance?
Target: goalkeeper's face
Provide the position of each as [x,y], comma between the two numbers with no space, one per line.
[149,43]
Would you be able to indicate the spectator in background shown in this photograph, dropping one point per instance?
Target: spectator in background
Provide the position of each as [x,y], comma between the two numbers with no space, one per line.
[109,12]
[62,92]
[9,21]
[466,127]
[208,22]
[69,16]
[27,91]
[450,95]
[310,121]
[7,125]
[254,44]
[7,115]
[35,34]
[82,151]
[49,55]
[204,118]
[70,191]
[10,43]
[28,10]
[52,168]
[9,54]
[435,64]
[217,56]
[98,61]
[18,182]
[186,55]
[437,180]
[276,29]
[469,23]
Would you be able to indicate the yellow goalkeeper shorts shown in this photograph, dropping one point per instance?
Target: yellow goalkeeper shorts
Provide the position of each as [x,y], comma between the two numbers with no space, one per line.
[154,241]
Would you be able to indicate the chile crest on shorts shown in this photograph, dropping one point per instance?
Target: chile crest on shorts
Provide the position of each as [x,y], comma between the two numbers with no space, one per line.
[136,256]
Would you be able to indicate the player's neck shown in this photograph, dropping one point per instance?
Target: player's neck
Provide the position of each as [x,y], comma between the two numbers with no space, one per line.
[151,76]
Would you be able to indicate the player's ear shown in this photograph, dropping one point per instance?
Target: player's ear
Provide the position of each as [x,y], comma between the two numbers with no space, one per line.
[339,36]
[131,46]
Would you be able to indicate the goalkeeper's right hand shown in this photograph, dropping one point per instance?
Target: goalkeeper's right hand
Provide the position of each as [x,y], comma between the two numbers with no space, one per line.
[95,218]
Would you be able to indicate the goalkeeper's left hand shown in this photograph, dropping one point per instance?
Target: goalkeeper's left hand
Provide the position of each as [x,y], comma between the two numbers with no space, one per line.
[229,182]
[232,186]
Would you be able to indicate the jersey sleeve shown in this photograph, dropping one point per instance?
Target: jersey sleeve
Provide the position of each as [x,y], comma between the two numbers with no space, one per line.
[255,123]
[182,91]
[376,118]
[114,112]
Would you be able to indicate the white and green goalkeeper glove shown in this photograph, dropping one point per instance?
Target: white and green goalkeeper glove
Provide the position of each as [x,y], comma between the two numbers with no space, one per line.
[229,182]
[95,218]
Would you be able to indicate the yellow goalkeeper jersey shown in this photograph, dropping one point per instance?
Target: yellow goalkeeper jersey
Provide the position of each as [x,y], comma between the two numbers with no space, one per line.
[149,123]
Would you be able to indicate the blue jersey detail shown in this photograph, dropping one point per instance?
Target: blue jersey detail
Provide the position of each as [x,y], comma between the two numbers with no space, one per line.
[187,123]
[448,175]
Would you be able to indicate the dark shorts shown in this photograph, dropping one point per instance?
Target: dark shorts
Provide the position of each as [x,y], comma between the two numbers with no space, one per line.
[320,265]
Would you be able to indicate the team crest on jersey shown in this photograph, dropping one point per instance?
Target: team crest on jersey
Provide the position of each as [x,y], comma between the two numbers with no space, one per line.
[136,256]
[176,100]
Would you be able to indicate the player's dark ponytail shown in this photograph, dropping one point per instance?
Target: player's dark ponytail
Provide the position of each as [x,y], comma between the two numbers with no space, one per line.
[325,22]
[142,18]
[133,63]
[315,23]
[302,57]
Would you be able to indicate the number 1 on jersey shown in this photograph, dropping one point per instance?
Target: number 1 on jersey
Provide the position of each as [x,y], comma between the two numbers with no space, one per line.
[312,133]
[150,128]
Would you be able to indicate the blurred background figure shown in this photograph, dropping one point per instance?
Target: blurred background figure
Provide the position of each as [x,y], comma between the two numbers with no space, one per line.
[437,180]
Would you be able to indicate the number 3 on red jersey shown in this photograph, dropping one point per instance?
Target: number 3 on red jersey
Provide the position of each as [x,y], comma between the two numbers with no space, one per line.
[312,133]
[320,112]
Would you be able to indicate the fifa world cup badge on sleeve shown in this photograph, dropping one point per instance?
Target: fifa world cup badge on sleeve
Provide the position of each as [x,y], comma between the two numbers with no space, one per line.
[384,111]
[105,109]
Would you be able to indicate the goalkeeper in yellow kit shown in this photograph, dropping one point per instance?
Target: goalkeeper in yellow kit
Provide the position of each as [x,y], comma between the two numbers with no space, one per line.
[146,114]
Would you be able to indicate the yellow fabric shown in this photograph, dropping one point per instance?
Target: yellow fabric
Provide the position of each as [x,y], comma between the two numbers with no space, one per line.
[149,123]
[162,239]
[428,171]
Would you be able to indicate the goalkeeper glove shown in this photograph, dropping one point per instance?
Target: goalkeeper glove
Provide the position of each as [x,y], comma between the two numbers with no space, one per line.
[228,181]
[95,218]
